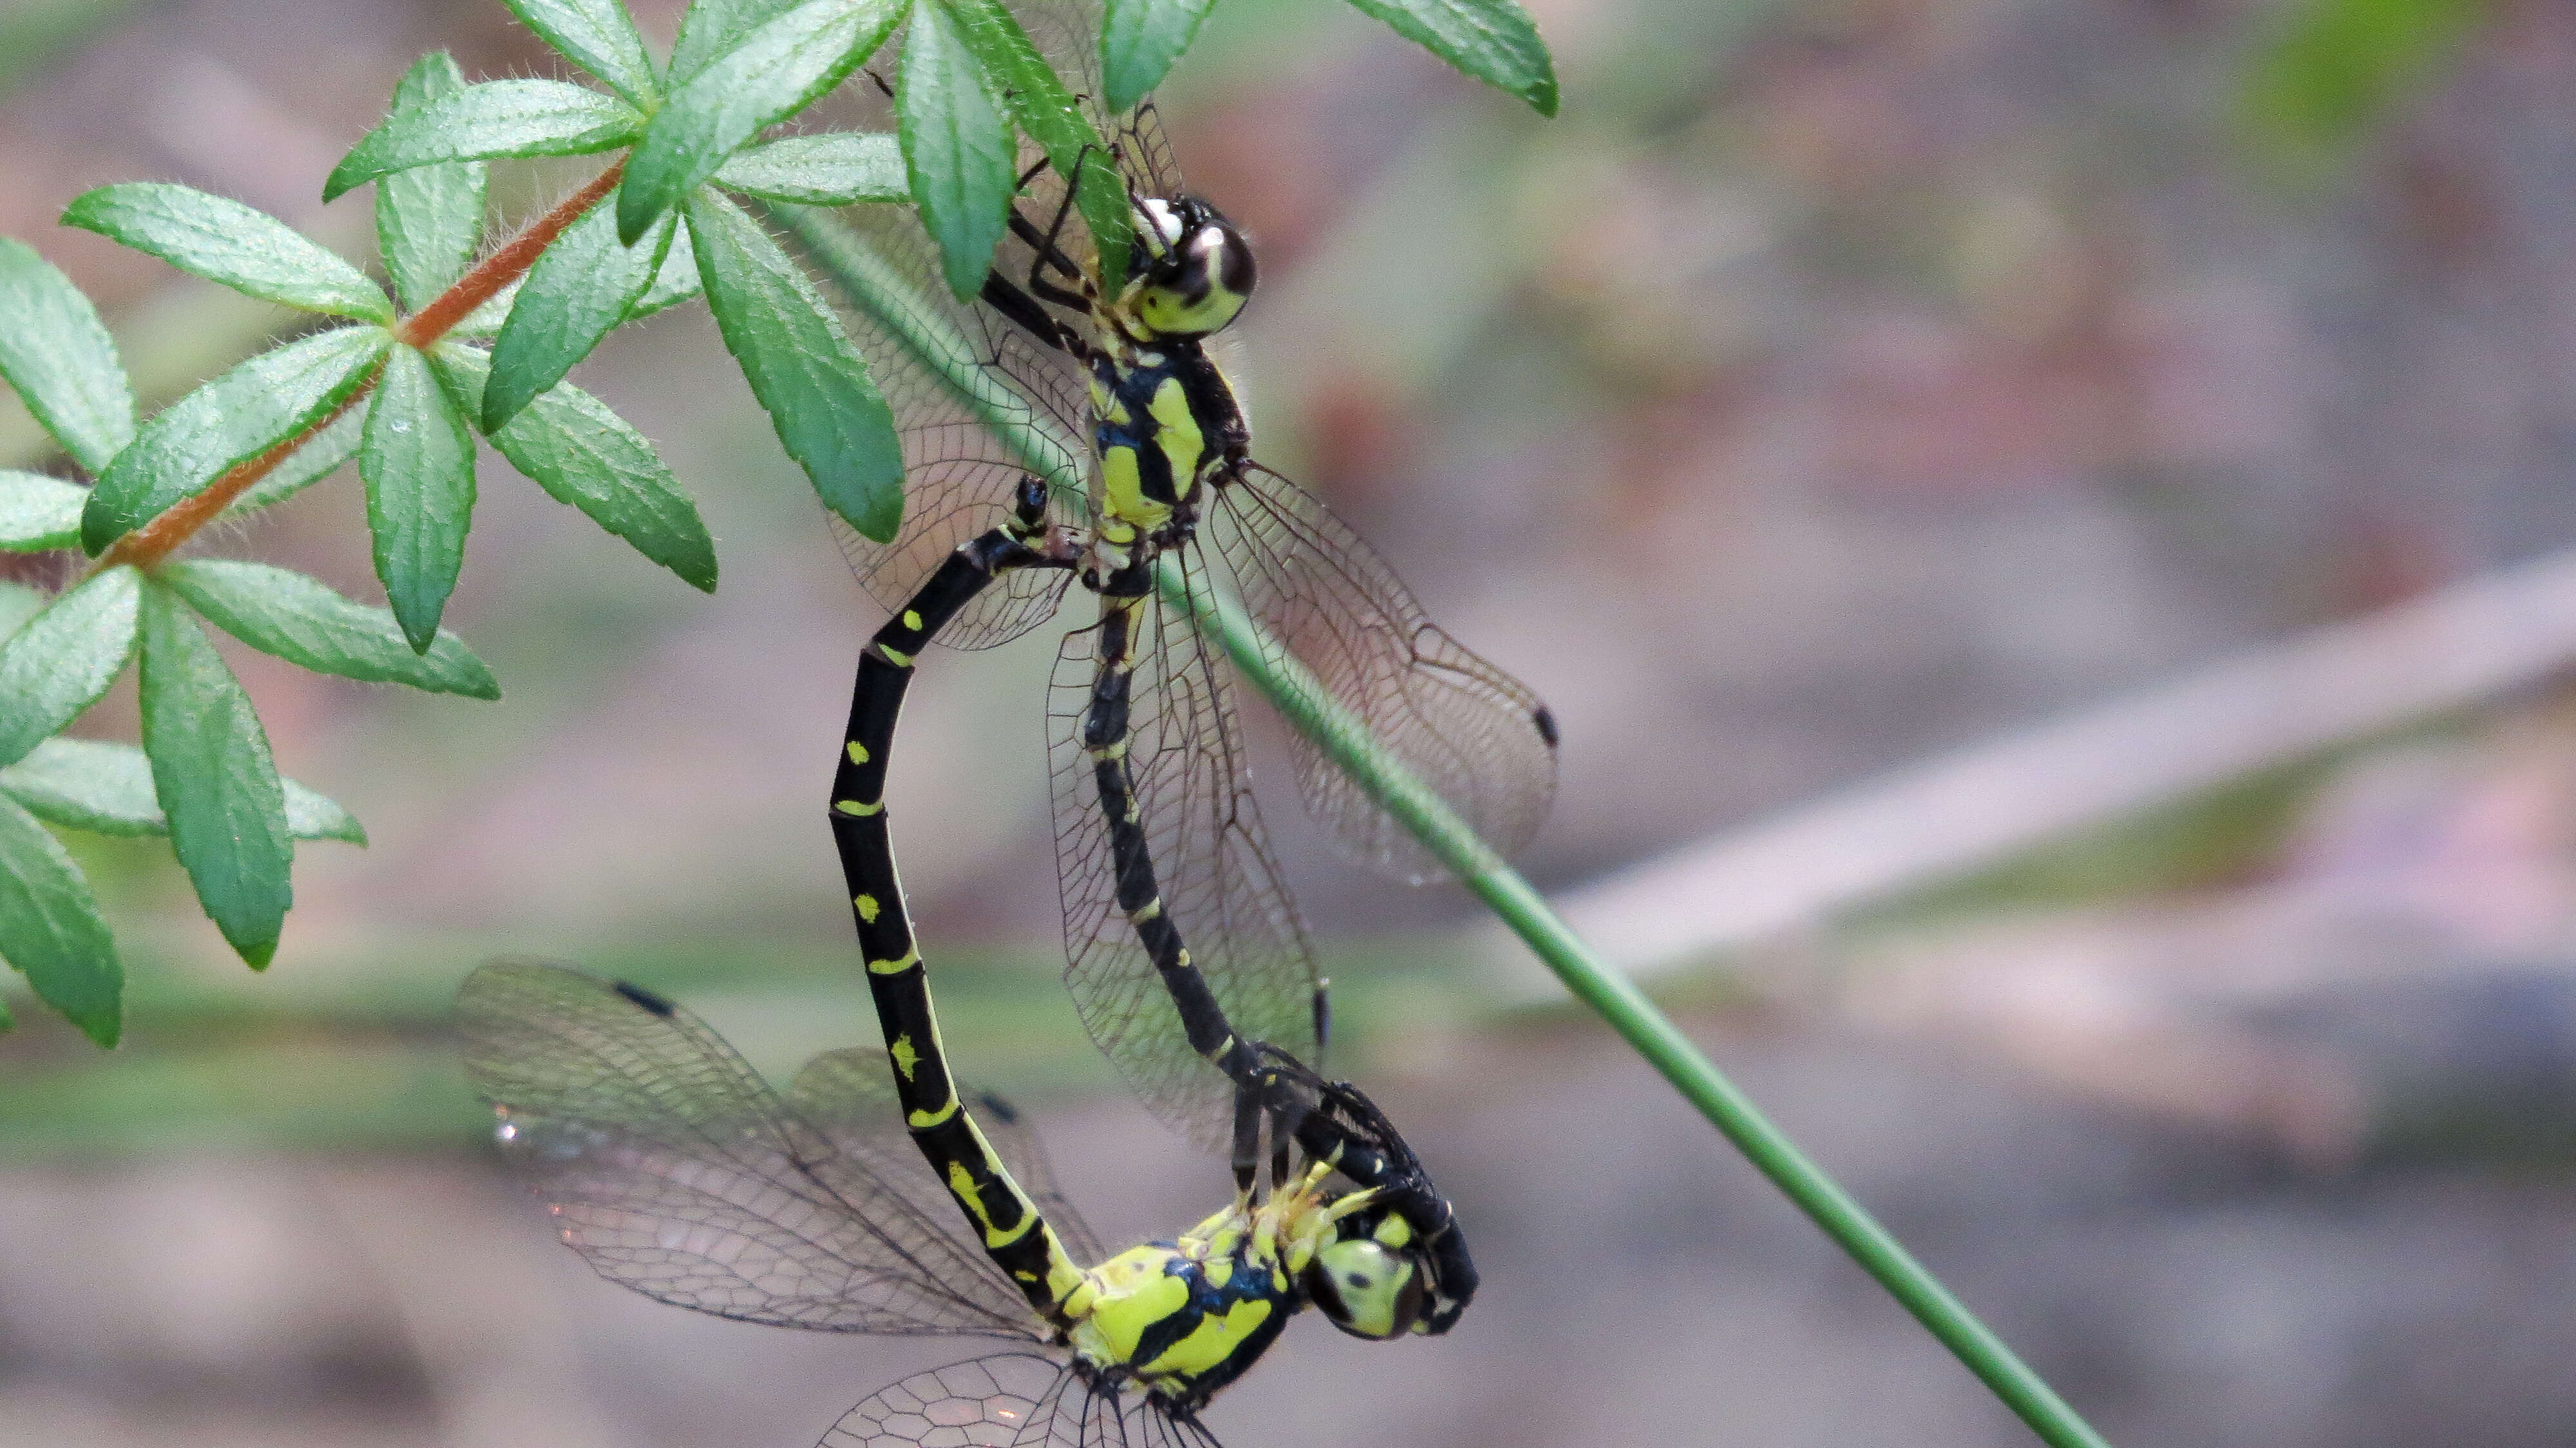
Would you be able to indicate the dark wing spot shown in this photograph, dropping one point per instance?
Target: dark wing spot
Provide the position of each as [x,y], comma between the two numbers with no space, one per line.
[1545,719]
[997,1108]
[644,998]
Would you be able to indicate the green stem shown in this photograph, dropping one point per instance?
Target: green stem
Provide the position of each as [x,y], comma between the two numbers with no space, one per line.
[899,307]
[1315,713]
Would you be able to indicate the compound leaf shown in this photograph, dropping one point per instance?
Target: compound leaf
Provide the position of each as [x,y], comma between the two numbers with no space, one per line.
[776,71]
[56,354]
[597,35]
[833,168]
[38,512]
[229,420]
[486,122]
[231,245]
[57,663]
[429,220]
[802,366]
[1139,40]
[1494,41]
[106,789]
[586,456]
[217,784]
[957,146]
[50,928]
[582,286]
[300,620]
[418,462]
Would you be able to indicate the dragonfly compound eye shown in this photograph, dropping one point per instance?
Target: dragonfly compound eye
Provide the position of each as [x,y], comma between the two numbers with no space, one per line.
[1205,274]
[1365,1288]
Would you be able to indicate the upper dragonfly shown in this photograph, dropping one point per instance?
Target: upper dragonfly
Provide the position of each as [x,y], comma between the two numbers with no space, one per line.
[1103,388]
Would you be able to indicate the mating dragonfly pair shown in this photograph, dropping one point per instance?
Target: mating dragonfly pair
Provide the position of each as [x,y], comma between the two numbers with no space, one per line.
[1120,460]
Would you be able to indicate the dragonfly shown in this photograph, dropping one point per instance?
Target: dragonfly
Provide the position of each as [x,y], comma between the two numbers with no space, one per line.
[674,1169]
[1185,955]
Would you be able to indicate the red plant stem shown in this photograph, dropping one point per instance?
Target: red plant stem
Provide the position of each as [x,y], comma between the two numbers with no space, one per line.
[180,521]
[503,267]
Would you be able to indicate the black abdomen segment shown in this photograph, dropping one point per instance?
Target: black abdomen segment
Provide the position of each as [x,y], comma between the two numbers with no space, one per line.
[1005,1220]
[1105,736]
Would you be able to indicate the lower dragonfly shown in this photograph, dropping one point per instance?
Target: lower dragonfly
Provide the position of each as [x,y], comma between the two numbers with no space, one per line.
[674,1169]
[1427,1281]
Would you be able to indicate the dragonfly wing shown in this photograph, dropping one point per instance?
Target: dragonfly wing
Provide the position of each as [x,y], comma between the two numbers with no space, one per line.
[673,1169]
[849,1095]
[1477,736]
[1213,869]
[1000,1401]
[979,405]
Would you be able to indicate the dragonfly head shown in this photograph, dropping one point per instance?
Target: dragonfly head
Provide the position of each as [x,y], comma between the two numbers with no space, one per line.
[1194,271]
[1368,1281]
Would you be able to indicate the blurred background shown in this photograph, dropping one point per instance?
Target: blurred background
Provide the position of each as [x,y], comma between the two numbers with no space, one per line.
[2041,521]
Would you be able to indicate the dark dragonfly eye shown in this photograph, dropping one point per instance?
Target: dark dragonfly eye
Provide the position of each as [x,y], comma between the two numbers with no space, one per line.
[1198,280]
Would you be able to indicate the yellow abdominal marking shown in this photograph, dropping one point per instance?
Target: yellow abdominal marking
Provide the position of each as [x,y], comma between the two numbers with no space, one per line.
[911,620]
[924,1120]
[858,752]
[867,908]
[905,1057]
[910,959]
[1150,910]
[896,657]
[854,807]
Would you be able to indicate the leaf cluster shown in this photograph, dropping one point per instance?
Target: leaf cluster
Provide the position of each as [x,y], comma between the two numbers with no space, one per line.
[459,346]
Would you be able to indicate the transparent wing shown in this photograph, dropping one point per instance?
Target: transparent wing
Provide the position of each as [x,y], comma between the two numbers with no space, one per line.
[1019,412]
[1212,864]
[673,1169]
[1474,734]
[850,1096]
[1012,1400]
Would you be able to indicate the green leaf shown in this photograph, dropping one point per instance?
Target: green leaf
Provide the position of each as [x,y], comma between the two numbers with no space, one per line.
[302,621]
[712,27]
[57,356]
[57,664]
[801,366]
[582,286]
[1139,40]
[418,462]
[233,418]
[212,772]
[775,72]
[18,603]
[429,220]
[957,147]
[106,789]
[596,35]
[318,458]
[1494,41]
[834,168]
[231,245]
[1053,119]
[675,283]
[586,456]
[38,512]
[51,930]
[487,122]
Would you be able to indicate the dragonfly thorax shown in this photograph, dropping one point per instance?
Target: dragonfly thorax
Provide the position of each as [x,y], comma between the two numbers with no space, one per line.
[1186,1317]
